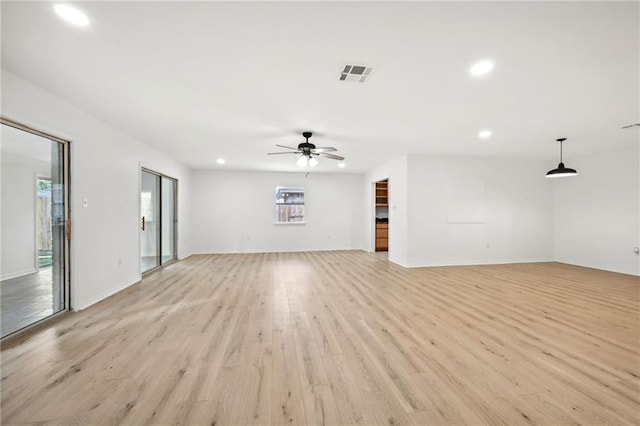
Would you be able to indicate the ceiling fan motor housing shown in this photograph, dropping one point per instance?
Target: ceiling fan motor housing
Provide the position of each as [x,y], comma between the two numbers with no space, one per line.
[306,148]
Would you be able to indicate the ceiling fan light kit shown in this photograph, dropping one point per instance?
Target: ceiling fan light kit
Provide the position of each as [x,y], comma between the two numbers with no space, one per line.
[308,152]
[305,161]
[561,170]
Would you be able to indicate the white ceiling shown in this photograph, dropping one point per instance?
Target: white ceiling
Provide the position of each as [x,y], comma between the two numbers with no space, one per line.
[202,80]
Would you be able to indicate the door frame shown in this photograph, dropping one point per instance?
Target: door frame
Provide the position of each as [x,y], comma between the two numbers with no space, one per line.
[66,264]
[372,227]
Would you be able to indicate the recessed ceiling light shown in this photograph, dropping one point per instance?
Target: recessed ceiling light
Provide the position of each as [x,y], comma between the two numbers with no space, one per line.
[484,134]
[71,15]
[341,165]
[221,161]
[481,68]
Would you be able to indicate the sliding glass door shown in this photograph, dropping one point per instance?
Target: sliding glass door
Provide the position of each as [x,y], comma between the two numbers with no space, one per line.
[169,219]
[150,221]
[158,220]
[35,232]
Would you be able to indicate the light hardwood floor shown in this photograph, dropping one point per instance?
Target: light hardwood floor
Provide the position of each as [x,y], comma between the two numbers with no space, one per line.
[339,338]
[27,299]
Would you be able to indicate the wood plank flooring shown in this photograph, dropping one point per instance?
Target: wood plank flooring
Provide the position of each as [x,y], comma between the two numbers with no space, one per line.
[339,338]
[28,299]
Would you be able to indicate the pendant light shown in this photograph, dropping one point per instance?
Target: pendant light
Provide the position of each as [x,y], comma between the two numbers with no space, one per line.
[561,171]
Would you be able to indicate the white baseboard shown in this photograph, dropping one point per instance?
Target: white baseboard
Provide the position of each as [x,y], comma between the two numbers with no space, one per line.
[626,271]
[478,262]
[18,274]
[258,251]
[84,304]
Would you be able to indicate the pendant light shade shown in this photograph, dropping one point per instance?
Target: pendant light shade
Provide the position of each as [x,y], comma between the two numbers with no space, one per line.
[302,161]
[561,170]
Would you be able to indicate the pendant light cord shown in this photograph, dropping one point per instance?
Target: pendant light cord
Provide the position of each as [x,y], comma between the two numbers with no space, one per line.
[561,140]
[561,151]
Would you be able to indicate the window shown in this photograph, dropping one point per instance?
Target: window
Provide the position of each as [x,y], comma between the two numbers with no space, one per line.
[289,204]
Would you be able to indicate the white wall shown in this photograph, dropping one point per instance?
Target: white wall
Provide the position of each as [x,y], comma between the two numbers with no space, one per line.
[18,215]
[597,212]
[514,208]
[396,172]
[233,212]
[105,169]
[596,218]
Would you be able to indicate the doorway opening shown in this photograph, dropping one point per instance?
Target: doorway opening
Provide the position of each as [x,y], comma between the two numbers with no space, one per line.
[382,215]
[158,220]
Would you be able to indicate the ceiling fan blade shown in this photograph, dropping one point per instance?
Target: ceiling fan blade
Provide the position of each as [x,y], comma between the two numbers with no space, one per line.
[325,149]
[332,156]
[277,153]
[288,147]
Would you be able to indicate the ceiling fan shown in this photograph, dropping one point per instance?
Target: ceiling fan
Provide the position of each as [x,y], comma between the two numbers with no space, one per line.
[307,151]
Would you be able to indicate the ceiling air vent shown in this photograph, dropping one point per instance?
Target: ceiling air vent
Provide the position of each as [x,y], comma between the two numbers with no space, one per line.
[357,73]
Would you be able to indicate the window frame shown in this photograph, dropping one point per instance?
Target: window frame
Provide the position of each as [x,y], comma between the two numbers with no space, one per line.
[282,205]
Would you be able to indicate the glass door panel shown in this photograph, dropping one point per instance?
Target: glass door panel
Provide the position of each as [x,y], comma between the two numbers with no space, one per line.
[149,221]
[34,279]
[169,219]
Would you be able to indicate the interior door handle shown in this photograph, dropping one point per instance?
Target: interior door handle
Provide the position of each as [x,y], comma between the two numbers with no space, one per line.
[143,223]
